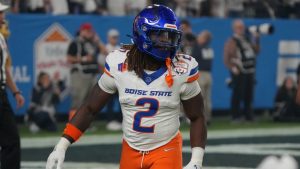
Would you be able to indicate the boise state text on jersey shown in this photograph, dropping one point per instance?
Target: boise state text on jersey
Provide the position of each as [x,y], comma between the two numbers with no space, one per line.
[149,93]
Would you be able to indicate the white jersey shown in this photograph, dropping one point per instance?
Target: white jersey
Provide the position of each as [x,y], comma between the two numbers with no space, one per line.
[150,108]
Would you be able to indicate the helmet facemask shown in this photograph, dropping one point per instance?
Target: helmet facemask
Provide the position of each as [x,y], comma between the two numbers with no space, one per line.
[162,43]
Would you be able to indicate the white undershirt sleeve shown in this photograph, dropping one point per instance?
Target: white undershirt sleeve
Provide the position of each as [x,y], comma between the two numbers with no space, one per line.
[107,84]
[189,90]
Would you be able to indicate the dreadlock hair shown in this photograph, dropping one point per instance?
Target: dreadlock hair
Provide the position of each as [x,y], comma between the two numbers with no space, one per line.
[138,61]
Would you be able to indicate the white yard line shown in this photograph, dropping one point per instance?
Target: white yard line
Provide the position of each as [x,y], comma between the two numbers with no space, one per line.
[70,165]
[39,142]
[251,149]
[75,165]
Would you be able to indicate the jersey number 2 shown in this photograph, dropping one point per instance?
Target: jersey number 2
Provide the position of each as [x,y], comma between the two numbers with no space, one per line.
[154,104]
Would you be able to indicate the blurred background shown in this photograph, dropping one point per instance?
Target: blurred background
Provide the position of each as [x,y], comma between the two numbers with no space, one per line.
[40,34]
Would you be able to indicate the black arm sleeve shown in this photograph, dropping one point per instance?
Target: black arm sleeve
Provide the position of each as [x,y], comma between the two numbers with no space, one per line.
[72,50]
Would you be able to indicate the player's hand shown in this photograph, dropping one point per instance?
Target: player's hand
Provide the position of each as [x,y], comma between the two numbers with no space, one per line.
[97,38]
[87,58]
[20,100]
[192,165]
[56,159]
[196,159]
[235,70]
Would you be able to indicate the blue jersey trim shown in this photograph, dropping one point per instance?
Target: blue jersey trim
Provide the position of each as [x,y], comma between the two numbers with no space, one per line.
[120,67]
[194,71]
[107,67]
[149,78]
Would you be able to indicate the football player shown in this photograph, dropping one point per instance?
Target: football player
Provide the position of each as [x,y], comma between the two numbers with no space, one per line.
[151,81]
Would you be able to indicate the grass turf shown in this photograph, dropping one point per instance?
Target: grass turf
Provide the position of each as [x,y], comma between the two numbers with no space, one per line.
[99,127]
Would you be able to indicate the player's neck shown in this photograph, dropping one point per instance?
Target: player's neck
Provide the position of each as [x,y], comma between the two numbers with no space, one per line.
[152,64]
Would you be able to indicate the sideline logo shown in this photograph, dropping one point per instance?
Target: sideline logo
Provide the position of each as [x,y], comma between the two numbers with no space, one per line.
[288,60]
[50,53]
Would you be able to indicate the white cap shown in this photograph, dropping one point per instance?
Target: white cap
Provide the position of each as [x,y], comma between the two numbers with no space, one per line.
[3,7]
[113,33]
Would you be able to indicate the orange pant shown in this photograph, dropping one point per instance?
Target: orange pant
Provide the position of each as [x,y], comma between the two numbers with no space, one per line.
[168,156]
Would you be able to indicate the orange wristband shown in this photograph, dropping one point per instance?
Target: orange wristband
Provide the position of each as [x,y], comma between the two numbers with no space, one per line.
[72,131]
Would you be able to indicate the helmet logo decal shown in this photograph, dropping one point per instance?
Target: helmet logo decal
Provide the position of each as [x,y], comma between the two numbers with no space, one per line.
[181,67]
[145,46]
[171,26]
[144,28]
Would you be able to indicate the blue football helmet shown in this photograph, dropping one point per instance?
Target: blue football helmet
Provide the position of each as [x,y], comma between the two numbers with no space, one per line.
[156,32]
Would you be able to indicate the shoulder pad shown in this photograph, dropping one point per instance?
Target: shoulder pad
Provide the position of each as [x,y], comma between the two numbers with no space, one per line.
[115,61]
[187,67]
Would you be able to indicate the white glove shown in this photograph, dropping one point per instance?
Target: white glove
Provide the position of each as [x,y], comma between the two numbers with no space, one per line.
[197,158]
[192,165]
[57,157]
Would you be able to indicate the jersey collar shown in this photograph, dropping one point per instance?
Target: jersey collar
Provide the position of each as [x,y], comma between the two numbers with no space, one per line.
[149,78]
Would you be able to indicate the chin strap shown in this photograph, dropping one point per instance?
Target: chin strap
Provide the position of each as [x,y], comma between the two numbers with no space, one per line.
[169,78]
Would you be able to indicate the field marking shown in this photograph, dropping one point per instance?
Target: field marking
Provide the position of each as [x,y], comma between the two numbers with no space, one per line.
[251,149]
[43,142]
[76,165]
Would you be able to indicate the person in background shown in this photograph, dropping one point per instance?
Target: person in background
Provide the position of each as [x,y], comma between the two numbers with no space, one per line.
[18,6]
[188,40]
[298,82]
[162,2]
[4,30]
[41,112]
[298,73]
[240,53]
[218,8]
[132,7]
[298,94]
[285,105]
[57,7]
[186,8]
[76,6]
[36,6]
[181,8]
[188,37]
[113,40]
[113,37]
[204,55]
[235,8]
[101,7]
[9,134]
[116,7]
[114,123]
[82,55]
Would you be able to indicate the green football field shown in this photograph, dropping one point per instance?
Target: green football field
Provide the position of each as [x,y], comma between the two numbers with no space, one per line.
[229,146]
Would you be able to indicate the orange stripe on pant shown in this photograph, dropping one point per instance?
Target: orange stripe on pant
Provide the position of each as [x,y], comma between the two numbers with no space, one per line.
[168,156]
